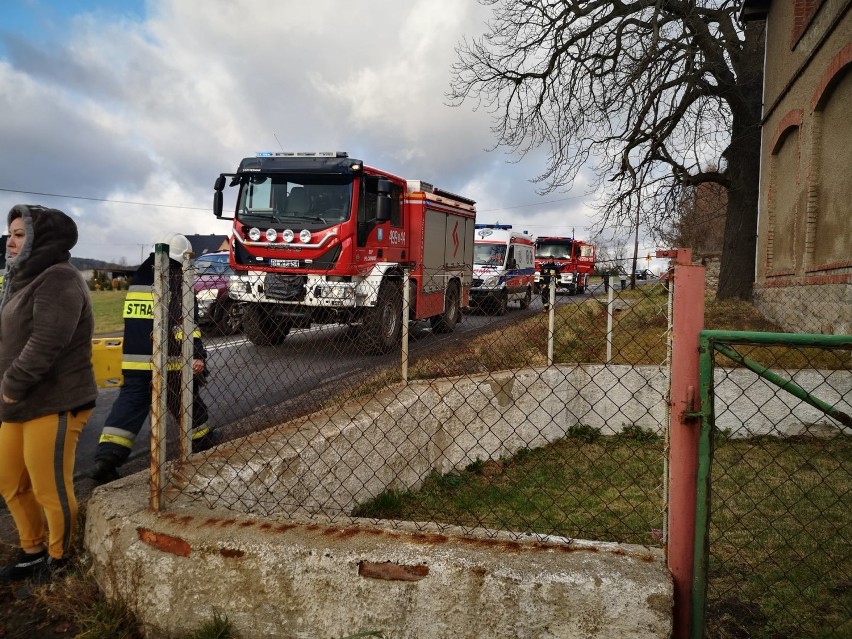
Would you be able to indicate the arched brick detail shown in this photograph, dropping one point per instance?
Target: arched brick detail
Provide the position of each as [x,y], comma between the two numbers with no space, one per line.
[836,68]
[793,119]
[803,13]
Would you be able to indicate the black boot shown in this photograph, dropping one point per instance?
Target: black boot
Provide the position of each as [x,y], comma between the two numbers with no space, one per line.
[104,471]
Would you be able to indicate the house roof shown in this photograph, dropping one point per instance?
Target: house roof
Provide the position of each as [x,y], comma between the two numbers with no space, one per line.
[203,244]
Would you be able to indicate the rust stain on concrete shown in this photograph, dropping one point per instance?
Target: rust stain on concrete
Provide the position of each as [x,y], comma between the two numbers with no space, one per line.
[391,571]
[165,543]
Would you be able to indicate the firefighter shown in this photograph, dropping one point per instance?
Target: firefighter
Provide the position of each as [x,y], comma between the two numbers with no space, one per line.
[133,404]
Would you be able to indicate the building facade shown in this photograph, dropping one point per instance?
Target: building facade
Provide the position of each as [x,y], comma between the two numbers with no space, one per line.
[804,255]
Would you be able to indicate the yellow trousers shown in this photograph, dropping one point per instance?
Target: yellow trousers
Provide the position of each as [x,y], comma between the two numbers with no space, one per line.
[37,478]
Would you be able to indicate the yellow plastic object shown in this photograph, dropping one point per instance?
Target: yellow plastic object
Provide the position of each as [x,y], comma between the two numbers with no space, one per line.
[106,360]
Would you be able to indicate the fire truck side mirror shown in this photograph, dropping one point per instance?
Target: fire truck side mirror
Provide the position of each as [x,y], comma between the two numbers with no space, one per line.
[218,186]
[217,203]
[383,201]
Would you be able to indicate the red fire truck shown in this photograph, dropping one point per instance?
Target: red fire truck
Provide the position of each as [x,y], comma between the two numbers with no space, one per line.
[323,238]
[574,260]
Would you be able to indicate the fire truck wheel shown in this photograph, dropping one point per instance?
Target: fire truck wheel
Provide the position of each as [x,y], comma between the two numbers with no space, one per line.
[446,322]
[383,323]
[261,327]
[526,300]
[228,320]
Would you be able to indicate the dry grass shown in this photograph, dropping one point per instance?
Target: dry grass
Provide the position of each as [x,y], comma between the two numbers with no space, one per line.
[107,307]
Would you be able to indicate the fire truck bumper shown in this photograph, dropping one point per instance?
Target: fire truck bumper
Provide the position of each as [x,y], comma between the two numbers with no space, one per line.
[299,290]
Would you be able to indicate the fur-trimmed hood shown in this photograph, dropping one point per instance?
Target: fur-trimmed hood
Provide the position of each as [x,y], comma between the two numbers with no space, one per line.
[50,236]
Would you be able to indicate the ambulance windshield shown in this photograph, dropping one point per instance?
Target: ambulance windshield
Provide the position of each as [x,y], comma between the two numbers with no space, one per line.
[553,250]
[489,254]
[295,198]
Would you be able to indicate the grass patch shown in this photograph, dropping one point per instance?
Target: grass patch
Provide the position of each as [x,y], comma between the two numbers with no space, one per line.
[107,307]
[780,563]
[639,337]
[586,486]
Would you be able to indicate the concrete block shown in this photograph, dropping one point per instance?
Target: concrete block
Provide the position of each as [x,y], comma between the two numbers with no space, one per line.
[276,577]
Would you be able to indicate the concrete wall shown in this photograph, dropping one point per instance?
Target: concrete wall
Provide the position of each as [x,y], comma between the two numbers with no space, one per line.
[332,462]
[282,578]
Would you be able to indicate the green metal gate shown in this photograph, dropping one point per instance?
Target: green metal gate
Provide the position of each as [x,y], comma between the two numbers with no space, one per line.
[773,541]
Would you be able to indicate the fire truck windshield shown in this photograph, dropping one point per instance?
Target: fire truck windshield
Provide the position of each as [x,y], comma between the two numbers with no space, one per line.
[320,198]
[553,251]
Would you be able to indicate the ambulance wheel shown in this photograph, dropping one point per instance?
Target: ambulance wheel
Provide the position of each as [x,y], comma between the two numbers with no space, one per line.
[383,323]
[446,322]
[526,300]
[261,327]
[501,304]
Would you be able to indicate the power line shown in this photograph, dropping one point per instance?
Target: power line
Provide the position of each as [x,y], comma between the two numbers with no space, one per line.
[520,206]
[101,199]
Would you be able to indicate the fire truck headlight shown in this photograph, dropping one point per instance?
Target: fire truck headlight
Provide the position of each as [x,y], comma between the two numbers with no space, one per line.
[336,291]
[491,282]
[254,234]
[287,235]
[305,236]
[271,235]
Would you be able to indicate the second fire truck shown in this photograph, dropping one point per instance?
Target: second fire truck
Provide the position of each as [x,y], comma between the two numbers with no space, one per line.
[574,261]
[323,238]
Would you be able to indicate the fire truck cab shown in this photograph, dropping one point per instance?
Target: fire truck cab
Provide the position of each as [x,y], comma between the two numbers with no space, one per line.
[503,268]
[323,238]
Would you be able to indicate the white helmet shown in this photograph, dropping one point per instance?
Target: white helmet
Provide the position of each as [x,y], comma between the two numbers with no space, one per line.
[178,245]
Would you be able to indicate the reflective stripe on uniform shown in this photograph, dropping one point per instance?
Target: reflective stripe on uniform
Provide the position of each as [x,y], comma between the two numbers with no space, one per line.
[200,431]
[179,334]
[139,303]
[132,362]
[109,438]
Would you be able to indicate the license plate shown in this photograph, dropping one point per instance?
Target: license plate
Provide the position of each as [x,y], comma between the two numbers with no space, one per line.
[284,263]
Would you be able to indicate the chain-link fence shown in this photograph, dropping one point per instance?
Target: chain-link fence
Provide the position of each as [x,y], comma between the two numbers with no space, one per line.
[778,553]
[503,411]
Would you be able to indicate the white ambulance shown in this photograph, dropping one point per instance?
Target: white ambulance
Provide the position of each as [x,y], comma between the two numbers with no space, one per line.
[503,268]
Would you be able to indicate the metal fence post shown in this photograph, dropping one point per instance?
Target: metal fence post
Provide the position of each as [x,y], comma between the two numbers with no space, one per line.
[159,372]
[187,383]
[687,322]
[551,322]
[406,300]
[609,309]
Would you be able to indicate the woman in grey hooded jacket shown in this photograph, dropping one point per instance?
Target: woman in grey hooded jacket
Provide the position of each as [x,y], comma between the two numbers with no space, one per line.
[47,385]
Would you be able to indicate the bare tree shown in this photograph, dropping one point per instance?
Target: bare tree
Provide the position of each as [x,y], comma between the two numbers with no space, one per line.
[641,93]
[700,220]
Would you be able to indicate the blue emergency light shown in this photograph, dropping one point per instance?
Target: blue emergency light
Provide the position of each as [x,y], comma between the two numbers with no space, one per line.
[504,227]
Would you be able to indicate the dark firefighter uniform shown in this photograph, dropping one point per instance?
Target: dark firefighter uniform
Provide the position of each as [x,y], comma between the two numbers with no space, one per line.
[133,404]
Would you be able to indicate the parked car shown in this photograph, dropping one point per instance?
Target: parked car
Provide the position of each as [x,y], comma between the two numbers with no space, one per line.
[643,274]
[216,309]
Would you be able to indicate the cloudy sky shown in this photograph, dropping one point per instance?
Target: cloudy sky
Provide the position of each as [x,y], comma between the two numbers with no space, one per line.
[123,113]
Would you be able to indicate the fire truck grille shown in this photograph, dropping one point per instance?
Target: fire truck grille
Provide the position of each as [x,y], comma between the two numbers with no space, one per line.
[285,287]
[476,282]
